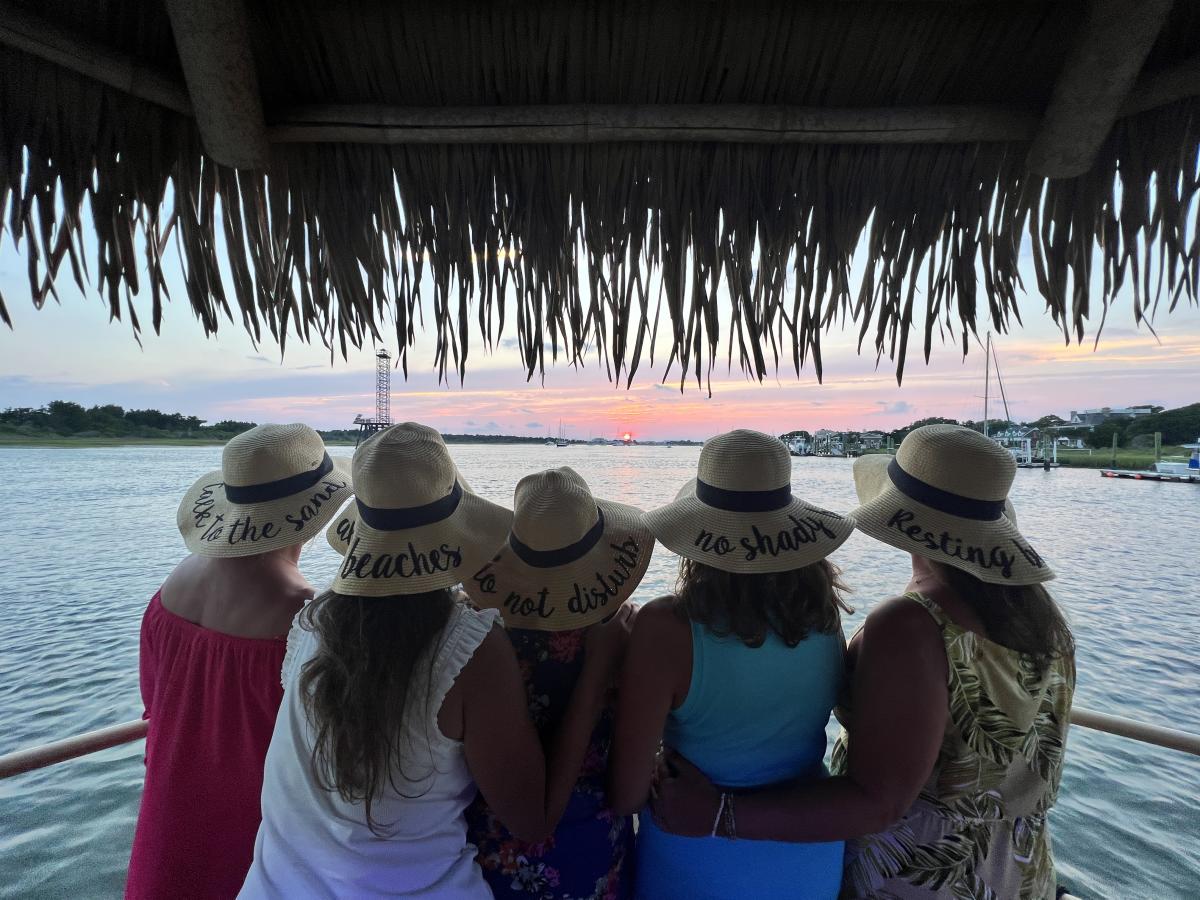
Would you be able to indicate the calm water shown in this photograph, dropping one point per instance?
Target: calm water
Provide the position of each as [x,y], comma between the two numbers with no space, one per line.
[90,534]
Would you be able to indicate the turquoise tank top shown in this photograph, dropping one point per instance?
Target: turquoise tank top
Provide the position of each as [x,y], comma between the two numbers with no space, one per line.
[752,716]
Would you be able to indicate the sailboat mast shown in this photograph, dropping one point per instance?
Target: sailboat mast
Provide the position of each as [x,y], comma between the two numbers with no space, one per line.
[987,376]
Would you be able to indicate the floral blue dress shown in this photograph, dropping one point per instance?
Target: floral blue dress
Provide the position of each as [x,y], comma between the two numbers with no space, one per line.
[590,854]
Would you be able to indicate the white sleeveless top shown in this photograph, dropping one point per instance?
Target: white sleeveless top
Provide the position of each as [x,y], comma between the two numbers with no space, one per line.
[313,844]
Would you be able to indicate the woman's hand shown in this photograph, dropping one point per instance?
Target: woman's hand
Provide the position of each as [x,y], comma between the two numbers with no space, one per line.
[604,645]
[684,801]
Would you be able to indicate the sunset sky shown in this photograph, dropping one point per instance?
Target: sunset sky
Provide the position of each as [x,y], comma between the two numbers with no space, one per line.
[72,352]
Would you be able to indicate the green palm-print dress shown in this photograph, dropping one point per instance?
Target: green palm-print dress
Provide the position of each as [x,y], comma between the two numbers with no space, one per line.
[978,828]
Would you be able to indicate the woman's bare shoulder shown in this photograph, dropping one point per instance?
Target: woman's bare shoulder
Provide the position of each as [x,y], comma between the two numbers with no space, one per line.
[900,618]
[661,617]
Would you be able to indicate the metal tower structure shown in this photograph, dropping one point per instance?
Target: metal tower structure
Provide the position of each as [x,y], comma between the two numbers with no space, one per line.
[383,399]
[383,388]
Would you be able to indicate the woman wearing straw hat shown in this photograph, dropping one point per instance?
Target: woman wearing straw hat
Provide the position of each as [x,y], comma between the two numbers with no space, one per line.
[961,696]
[739,670]
[569,562]
[211,648]
[400,699]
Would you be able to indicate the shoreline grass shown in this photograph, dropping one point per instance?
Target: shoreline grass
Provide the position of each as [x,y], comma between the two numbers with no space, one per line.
[1133,459]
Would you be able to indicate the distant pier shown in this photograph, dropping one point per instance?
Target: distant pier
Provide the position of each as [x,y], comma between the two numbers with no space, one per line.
[1149,476]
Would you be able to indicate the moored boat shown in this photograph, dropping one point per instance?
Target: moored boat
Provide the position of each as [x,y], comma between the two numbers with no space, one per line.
[1189,468]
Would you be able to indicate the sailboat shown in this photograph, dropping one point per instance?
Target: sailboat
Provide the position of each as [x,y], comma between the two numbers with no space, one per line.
[562,440]
[1020,446]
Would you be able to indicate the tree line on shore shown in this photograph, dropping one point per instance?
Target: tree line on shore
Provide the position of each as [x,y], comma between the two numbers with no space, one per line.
[64,418]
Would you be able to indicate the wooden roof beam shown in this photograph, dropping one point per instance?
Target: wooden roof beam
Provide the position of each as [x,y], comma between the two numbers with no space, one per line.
[38,37]
[1180,81]
[599,123]
[214,48]
[1099,73]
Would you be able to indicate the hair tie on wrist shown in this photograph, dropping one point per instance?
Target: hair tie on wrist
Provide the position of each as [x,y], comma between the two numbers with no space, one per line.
[720,814]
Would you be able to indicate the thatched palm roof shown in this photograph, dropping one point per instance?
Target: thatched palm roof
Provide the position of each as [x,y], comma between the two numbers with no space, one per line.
[600,176]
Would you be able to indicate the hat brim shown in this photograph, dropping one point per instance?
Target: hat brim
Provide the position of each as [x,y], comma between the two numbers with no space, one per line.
[573,595]
[992,550]
[213,526]
[780,540]
[378,563]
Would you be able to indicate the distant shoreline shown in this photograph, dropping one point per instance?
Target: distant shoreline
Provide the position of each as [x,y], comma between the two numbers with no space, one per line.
[50,442]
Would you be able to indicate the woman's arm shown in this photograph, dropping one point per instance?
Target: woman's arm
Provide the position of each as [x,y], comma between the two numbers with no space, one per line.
[147,665]
[527,791]
[658,662]
[900,707]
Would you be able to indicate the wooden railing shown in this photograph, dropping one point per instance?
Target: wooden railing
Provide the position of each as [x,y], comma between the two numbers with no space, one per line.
[72,747]
[103,738]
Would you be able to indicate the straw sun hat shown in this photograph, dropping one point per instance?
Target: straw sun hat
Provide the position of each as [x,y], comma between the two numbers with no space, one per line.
[276,487]
[739,513]
[570,560]
[944,496]
[415,526]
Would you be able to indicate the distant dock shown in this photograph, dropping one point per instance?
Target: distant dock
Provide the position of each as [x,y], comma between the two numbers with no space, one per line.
[1149,476]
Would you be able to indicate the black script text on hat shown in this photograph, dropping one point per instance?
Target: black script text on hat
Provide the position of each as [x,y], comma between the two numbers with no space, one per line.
[245,530]
[214,530]
[586,599]
[712,543]
[201,509]
[995,557]
[520,605]
[412,564]
[485,580]
[804,530]
[314,503]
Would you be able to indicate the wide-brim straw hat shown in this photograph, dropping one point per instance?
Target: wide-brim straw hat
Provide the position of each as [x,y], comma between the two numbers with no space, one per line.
[415,525]
[277,486]
[570,559]
[944,496]
[739,514]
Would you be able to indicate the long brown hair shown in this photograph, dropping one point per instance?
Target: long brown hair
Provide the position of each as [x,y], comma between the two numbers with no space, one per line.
[791,604]
[360,685]
[1024,618]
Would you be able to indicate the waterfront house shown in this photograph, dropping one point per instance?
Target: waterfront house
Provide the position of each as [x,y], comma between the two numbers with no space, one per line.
[871,440]
[799,443]
[829,443]
[1096,416]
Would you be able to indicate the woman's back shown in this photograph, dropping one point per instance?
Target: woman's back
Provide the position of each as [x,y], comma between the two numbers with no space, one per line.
[755,715]
[980,820]
[211,699]
[314,843]
[590,849]
[752,716]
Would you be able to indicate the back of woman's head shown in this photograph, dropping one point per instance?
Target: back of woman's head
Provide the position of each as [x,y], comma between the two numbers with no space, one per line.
[749,606]
[361,685]
[1024,618]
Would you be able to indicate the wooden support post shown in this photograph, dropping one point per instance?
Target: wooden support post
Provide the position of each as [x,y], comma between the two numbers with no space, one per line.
[1158,446]
[1096,79]
[1114,454]
[214,48]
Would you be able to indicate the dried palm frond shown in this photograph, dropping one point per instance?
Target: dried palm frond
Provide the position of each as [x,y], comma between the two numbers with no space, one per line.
[605,248]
